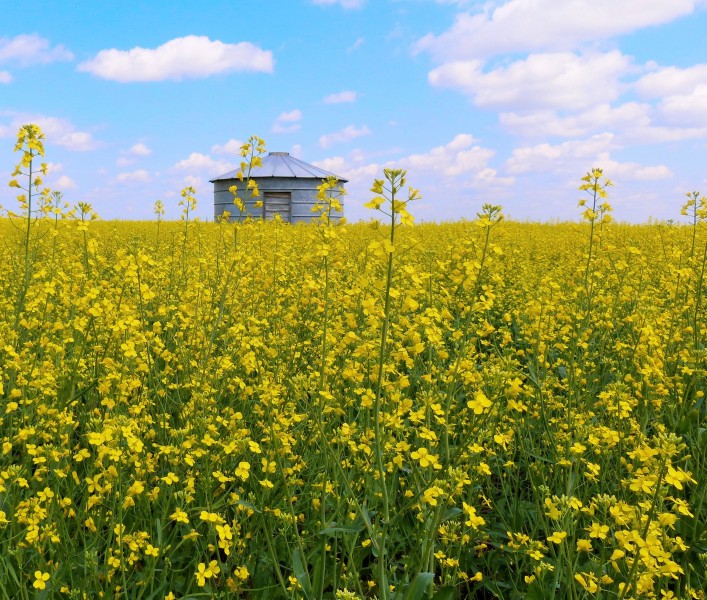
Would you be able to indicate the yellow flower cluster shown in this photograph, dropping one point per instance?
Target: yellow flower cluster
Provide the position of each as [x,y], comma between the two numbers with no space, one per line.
[338,410]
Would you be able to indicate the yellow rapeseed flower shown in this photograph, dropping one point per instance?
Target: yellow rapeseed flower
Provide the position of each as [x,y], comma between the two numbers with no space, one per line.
[557,537]
[40,580]
[479,403]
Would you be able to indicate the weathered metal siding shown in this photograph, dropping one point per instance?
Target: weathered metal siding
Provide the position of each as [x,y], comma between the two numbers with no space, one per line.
[304,197]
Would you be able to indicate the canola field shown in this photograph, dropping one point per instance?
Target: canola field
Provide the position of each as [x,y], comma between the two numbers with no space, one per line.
[482,409]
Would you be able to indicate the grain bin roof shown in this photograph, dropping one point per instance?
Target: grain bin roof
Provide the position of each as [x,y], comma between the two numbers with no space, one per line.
[281,164]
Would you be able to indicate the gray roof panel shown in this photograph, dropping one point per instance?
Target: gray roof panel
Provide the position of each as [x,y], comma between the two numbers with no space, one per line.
[281,164]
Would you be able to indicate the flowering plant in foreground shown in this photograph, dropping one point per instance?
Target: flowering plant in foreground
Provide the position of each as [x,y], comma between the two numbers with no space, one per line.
[480,409]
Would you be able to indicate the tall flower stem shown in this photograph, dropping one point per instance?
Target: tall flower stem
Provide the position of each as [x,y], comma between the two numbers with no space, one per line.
[396,211]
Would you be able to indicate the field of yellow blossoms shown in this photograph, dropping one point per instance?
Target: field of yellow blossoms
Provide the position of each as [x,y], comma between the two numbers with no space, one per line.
[482,409]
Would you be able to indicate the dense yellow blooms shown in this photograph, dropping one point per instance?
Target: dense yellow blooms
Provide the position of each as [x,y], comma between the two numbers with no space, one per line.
[313,410]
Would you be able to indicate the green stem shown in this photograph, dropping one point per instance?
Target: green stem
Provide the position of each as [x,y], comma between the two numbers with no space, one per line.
[382,568]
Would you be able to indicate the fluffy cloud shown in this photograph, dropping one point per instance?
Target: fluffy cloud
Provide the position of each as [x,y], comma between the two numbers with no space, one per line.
[558,80]
[54,168]
[290,116]
[287,122]
[345,135]
[356,45]
[24,50]
[64,183]
[203,162]
[343,3]
[601,117]
[461,156]
[448,176]
[139,176]
[531,25]
[139,149]
[335,164]
[632,122]
[682,93]
[457,157]
[230,147]
[671,81]
[57,131]
[578,156]
[543,157]
[128,156]
[5,77]
[687,109]
[58,181]
[341,97]
[188,57]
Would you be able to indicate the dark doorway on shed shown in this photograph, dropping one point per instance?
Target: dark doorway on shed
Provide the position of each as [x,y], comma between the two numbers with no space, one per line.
[277,203]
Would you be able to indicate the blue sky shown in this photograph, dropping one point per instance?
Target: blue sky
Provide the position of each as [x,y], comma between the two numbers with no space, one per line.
[505,101]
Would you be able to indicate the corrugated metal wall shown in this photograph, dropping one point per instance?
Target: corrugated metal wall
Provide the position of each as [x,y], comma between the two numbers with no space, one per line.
[303,197]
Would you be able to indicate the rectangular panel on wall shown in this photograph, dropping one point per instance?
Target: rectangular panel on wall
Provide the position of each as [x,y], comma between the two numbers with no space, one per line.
[277,203]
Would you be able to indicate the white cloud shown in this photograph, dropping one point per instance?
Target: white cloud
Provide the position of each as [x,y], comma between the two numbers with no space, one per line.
[488,178]
[139,176]
[58,181]
[457,157]
[531,25]
[671,81]
[356,45]
[543,157]
[575,157]
[293,117]
[334,164]
[77,140]
[139,149]
[449,177]
[63,133]
[57,131]
[187,57]
[631,122]
[24,50]
[203,162]
[193,181]
[64,183]
[340,97]
[687,109]
[634,171]
[232,146]
[558,80]
[290,116]
[280,128]
[601,117]
[348,4]
[682,94]
[296,151]
[128,156]
[5,77]
[345,135]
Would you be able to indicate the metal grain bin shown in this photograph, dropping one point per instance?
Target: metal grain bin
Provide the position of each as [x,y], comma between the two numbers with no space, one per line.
[288,187]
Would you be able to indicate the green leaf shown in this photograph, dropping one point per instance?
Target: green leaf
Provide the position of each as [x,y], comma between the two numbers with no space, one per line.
[419,585]
[535,593]
[247,505]
[445,593]
[300,571]
[158,523]
[333,530]
[451,513]
[11,569]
